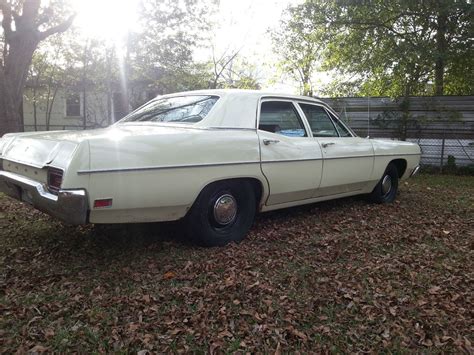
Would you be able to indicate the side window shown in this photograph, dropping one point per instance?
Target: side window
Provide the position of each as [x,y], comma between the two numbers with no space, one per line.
[319,121]
[282,118]
[343,131]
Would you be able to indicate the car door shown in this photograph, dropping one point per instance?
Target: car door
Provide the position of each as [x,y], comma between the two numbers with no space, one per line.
[290,159]
[347,160]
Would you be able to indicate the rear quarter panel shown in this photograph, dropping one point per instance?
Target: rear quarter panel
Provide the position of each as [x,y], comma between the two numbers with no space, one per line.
[158,177]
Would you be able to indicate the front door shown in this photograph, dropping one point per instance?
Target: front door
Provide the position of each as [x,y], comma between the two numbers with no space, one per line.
[347,160]
[290,159]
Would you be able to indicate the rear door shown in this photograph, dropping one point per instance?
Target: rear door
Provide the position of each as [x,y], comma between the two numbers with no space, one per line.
[347,160]
[291,159]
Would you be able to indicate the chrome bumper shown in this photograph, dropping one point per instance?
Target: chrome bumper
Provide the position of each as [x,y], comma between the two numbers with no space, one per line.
[69,206]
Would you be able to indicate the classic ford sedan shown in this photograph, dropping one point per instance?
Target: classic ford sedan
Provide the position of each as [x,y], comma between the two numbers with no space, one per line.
[213,158]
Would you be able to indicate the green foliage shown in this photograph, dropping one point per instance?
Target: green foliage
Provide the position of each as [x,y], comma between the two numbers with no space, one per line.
[155,58]
[298,44]
[382,48]
[451,163]
[161,53]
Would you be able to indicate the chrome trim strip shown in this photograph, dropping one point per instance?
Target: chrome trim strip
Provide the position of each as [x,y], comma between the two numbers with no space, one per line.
[167,167]
[371,156]
[290,160]
[205,165]
[396,155]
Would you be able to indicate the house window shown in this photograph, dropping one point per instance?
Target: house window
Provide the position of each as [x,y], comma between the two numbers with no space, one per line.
[119,106]
[73,104]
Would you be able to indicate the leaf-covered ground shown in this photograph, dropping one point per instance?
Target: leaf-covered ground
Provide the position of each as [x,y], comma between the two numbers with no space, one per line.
[336,276]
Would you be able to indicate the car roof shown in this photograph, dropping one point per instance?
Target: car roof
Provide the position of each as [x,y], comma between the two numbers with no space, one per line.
[244,92]
[236,108]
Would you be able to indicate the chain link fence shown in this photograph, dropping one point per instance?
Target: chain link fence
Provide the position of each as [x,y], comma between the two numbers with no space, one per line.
[445,153]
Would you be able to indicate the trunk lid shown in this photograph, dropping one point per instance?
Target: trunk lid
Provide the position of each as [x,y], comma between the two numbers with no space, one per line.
[39,149]
[37,152]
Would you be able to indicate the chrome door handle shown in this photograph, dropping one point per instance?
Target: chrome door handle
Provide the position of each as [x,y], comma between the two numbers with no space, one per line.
[270,141]
[325,145]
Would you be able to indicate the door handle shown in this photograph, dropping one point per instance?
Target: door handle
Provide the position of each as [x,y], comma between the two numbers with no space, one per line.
[270,141]
[325,145]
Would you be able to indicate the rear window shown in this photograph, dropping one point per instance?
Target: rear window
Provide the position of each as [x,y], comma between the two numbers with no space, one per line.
[181,109]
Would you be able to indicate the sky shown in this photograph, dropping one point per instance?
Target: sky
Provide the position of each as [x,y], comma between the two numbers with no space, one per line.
[240,24]
[245,24]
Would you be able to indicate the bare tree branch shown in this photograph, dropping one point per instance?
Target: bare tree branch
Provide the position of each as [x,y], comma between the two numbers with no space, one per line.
[229,60]
[57,29]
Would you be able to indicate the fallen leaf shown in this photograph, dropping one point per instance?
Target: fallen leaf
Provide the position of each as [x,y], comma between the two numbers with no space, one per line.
[169,275]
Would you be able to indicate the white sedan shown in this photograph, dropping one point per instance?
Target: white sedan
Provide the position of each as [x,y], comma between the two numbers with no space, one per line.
[214,158]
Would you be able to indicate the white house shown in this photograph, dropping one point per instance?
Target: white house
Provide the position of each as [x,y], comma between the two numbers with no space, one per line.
[61,108]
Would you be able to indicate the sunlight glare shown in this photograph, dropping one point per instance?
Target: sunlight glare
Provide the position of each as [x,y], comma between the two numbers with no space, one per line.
[106,19]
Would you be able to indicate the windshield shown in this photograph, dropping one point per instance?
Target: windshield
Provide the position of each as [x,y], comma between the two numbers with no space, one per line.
[181,109]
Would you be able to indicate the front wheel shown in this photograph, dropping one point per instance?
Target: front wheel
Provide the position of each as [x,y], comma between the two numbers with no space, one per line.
[223,212]
[387,187]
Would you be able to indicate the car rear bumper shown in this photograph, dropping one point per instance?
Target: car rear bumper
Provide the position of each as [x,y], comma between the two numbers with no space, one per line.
[70,206]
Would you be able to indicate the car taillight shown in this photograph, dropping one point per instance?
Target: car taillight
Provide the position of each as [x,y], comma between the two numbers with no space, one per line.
[55,179]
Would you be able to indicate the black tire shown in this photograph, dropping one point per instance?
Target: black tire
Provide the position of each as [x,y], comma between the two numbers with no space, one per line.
[386,192]
[202,223]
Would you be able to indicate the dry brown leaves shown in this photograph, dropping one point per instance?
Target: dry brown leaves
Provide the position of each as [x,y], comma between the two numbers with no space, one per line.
[336,276]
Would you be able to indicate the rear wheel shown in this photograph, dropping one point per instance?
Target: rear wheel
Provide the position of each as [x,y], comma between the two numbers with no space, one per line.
[223,212]
[387,187]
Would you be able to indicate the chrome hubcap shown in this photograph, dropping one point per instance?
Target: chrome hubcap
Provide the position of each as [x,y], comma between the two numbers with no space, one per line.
[225,209]
[386,184]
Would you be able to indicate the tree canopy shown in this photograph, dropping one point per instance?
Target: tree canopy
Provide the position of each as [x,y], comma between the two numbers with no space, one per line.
[382,47]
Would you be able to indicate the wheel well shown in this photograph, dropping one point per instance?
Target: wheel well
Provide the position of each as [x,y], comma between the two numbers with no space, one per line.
[401,165]
[256,185]
[258,188]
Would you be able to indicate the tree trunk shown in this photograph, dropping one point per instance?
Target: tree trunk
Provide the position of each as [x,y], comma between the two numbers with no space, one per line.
[50,109]
[20,42]
[9,116]
[35,111]
[109,86]
[440,53]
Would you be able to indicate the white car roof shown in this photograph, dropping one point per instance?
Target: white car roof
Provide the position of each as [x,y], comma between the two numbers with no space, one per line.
[236,108]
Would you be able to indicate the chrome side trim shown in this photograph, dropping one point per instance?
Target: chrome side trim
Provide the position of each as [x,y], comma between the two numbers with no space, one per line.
[290,160]
[396,155]
[205,165]
[164,167]
[69,206]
